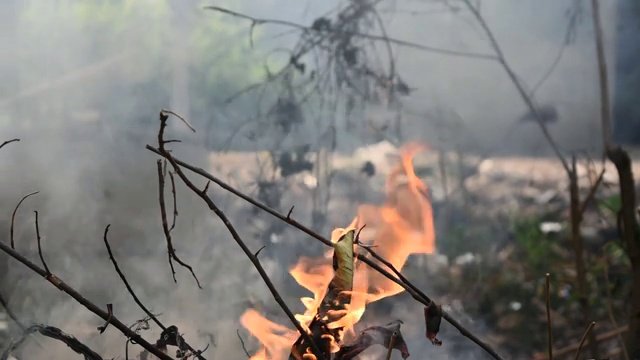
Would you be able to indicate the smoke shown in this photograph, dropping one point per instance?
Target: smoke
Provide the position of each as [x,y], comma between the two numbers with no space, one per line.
[84,113]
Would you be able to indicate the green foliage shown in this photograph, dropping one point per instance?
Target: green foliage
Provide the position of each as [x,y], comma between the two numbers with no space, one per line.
[63,37]
[535,248]
[612,203]
[462,238]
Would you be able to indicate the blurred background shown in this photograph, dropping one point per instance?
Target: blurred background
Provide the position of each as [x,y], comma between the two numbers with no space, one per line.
[295,116]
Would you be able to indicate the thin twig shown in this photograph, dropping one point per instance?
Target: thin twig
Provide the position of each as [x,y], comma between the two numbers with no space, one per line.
[605,101]
[244,348]
[517,83]
[254,260]
[126,282]
[392,343]
[8,142]
[12,315]
[181,118]
[44,263]
[54,333]
[135,297]
[337,31]
[584,337]
[547,288]
[592,192]
[175,202]
[171,252]
[577,242]
[408,286]
[61,285]
[612,318]
[13,217]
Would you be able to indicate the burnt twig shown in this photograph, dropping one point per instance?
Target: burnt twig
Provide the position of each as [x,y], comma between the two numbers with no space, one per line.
[171,252]
[244,347]
[54,333]
[103,328]
[61,285]
[133,294]
[8,142]
[46,268]
[408,286]
[252,257]
[175,202]
[13,217]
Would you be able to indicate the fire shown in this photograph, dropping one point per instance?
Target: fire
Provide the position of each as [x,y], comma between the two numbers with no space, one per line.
[401,227]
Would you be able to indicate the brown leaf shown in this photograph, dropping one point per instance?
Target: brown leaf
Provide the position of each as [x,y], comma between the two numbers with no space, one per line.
[432,319]
[334,302]
[375,335]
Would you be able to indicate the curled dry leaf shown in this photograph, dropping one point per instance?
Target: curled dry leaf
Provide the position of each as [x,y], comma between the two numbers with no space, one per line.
[375,335]
[333,304]
[432,319]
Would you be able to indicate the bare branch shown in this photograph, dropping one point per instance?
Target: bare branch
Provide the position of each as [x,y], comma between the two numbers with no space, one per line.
[258,21]
[133,294]
[54,333]
[8,142]
[181,118]
[254,260]
[61,285]
[171,252]
[46,268]
[518,84]
[13,217]
[244,347]
[410,288]
[584,337]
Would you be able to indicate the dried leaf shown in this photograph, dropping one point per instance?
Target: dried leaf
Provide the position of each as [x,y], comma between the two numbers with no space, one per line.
[343,263]
[375,335]
[432,319]
[334,301]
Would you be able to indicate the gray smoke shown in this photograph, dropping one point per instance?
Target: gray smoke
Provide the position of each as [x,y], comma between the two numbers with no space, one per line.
[83,148]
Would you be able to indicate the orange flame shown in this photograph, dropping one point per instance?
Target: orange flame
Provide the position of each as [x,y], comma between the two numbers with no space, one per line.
[401,227]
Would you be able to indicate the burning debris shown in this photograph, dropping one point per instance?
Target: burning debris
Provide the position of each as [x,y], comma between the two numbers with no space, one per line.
[342,286]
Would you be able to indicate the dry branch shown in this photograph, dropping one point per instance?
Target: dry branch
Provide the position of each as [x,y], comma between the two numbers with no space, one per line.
[61,285]
[517,83]
[171,251]
[135,297]
[54,333]
[13,217]
[627,216]
[408,286]
[252,257]
[258,21]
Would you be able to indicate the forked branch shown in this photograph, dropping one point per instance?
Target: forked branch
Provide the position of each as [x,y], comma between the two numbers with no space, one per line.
[202,193]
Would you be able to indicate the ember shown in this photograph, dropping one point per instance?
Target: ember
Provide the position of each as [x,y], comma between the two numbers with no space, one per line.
[399,228]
